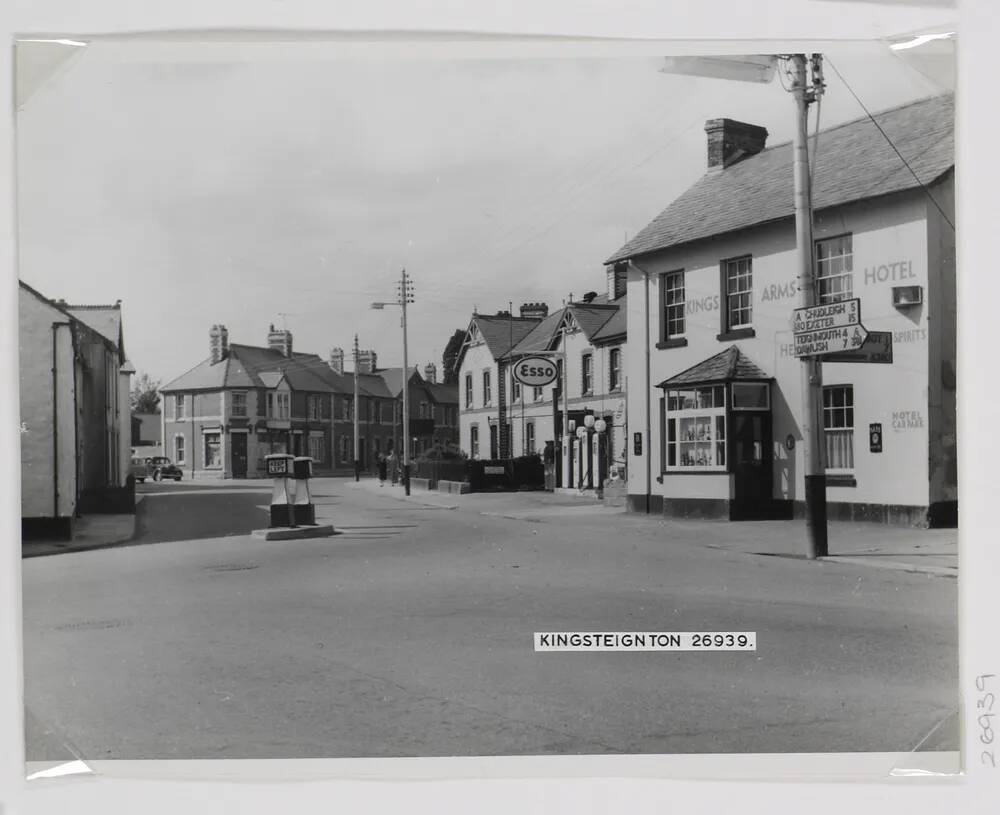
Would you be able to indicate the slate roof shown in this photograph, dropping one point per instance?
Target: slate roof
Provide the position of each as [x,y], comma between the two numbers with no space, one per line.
[245,365]
[539,339]
[726,366]
[105,320]
[592,317]
[497,331]
[393,379]
[615,328]
[854,162]
[443,394]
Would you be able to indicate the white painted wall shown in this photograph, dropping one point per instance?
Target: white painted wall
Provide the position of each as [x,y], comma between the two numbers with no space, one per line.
[889,248]
[40,404]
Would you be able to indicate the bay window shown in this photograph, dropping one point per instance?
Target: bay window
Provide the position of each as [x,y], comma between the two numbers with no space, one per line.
[696,428]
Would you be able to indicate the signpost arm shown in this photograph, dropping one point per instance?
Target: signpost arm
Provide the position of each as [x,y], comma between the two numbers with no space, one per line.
[812,372]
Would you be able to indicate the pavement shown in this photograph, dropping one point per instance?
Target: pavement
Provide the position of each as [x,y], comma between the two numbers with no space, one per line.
[409,633]
[878,546]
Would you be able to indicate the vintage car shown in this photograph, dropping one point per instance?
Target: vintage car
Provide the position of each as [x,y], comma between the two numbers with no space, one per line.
[160,467]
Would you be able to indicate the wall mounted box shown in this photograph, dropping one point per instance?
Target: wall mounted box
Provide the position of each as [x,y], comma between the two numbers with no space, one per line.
[904,296]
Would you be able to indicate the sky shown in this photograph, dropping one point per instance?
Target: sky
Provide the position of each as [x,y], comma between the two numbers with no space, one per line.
[251,191]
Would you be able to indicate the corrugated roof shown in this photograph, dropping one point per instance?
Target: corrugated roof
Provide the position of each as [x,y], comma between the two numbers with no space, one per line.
[726,366]
[854,162]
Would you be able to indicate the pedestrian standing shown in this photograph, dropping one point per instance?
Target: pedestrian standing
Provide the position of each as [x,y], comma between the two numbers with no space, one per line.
[393,467]
[382,466]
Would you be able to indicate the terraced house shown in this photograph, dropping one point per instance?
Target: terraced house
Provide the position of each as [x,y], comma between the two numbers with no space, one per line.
[716,399]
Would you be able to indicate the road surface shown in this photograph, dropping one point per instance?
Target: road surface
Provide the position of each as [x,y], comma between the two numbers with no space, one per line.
[410,633]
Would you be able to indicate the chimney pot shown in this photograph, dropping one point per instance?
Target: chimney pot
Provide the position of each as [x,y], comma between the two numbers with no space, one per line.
[730,141]
[337,360]
[280,340]
[430,372]
[534,311]
[218,343]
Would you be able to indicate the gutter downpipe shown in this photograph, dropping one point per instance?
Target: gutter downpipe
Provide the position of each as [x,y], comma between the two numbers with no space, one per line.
[55,419]
[647,386]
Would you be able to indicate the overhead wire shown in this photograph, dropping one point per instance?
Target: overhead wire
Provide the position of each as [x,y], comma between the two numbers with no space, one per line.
[890,142]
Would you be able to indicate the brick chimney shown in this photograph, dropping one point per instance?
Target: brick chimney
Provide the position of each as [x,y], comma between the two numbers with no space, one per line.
[730,141]
[337,360]
[535,311]
[617,280]
[218,343]
[431,373]
[280,339]
[367,362]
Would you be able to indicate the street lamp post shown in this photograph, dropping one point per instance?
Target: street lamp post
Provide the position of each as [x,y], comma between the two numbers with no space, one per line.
[404,296]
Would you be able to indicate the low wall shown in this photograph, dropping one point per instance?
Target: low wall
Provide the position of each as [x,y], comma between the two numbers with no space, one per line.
[454,487]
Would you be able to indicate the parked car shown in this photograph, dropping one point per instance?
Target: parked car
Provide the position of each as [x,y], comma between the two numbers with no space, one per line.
[138,469]
[160,467]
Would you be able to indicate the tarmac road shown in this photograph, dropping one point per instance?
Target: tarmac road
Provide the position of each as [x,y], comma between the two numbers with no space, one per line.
[410,633]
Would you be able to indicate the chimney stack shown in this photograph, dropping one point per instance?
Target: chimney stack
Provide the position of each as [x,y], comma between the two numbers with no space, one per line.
[337,360]
[617,280]
[280,339]
[730,141]
[534,311]
[431,373]
[367,362]
[218,343]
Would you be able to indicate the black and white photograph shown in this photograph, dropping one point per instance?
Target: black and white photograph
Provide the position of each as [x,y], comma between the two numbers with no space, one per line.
[389,399]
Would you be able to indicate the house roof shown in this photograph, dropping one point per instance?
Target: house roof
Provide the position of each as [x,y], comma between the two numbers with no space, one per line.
[498,331]
[615,328]
[540,338]
[854,161]
[393,379]
[105,320]
[726,366]
[591,317]
[248,366]
[441,393]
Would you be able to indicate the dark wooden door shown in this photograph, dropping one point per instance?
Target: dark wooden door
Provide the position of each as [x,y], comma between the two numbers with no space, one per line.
[752,464]
[239,445]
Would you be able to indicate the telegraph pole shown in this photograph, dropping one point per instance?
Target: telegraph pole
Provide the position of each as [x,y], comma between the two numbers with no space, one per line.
[406,296]
[805,92]
[357,403]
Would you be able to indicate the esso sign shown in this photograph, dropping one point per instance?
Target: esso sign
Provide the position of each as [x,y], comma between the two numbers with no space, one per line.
[535,371]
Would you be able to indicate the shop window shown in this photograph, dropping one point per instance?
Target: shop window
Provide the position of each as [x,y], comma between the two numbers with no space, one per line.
[474,441]
[487,390]
[835,269]
[213,450]
[673,305]
[179,450]
[738,278]
[587,374]
[615,368]
[239,404]
[751,396]
[696,429]
[838,427]
[468,390]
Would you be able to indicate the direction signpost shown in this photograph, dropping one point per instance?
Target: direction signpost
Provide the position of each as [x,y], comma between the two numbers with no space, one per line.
[828,328]
[877,349]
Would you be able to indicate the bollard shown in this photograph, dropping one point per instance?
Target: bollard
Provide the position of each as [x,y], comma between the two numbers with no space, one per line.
[279,467]
[303,510]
